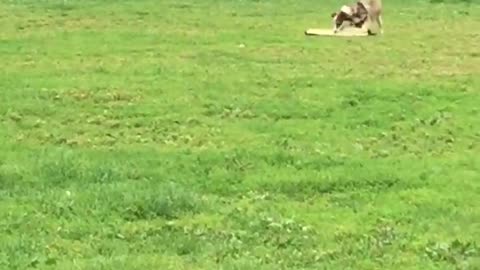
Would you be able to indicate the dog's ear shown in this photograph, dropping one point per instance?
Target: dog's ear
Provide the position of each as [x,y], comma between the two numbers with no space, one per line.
[333,14]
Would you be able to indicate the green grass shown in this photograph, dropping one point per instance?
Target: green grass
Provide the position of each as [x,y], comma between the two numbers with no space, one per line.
[214,135]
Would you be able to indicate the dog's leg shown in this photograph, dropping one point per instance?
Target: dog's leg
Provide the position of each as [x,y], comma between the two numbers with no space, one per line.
[340,28]
[380,23]
[367,24]
[337,29]
[334,18]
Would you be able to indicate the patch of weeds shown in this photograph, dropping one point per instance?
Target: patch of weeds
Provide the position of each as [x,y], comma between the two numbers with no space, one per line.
[61,168]
[185,244]
[236,166]
[281,233]
[262,237]
[64,6]
[105,173]
[373,243]
[62,206]
[328,185]
[12,248]
[456,252]
[9,176]
[170,236]
[168,201]
[281,159]
[14,116]
[222,173]
[238,162]
[244,263]
[228,111]
[65,168]
[353,200]
[273,231]
[288,159]
[452,1]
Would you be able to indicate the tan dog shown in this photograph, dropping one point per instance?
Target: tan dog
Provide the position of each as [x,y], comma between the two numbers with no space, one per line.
[361,15]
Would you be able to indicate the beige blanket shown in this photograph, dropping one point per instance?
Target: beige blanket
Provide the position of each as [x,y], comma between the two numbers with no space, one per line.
[347,32]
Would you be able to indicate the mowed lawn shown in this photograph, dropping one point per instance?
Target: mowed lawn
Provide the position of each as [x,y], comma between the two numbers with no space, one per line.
[215,135]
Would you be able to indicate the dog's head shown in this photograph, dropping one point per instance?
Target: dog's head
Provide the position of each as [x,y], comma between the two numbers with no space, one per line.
[345,14]
[354,15]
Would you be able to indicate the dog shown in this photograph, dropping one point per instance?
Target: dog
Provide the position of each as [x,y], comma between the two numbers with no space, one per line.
[360,15]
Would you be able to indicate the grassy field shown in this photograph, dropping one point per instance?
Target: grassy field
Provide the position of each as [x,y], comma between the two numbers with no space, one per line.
[214,135]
